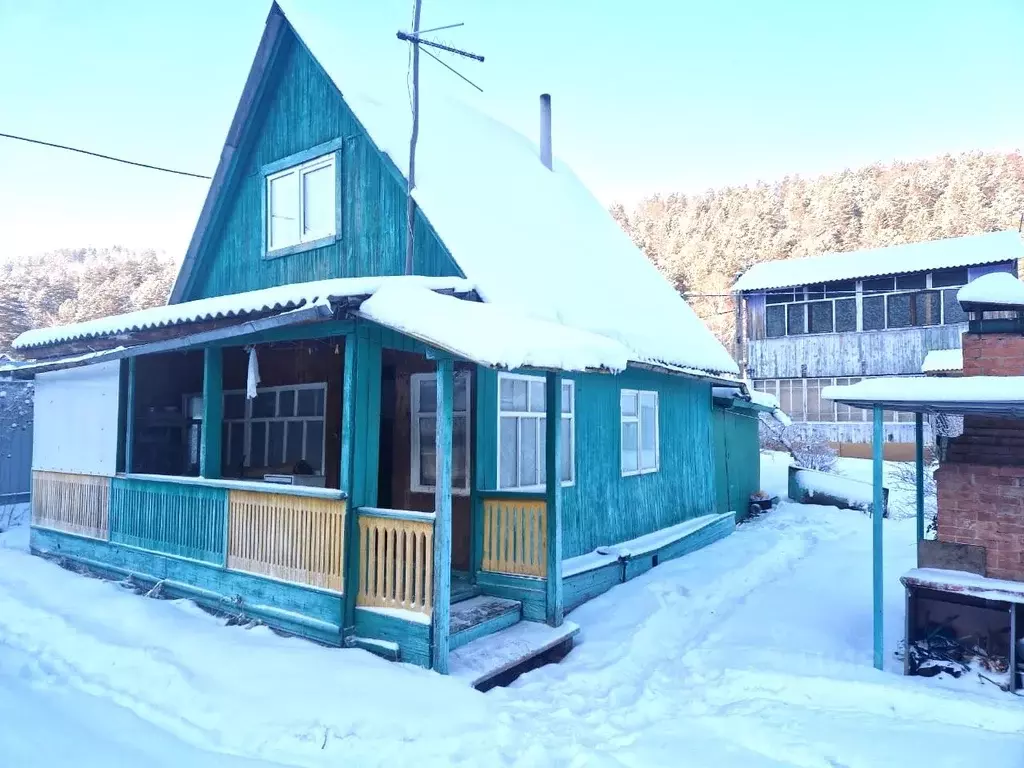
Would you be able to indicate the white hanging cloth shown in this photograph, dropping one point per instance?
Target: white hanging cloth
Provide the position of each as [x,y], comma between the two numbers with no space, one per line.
[253,379]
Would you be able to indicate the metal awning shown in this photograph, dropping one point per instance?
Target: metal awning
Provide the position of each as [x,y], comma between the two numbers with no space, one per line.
[989,395]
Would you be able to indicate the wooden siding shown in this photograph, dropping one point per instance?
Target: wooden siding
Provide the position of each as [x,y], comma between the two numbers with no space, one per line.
[737,460]
[395,563]
[71,503]
[411,637]
[172,518]
[301,109]
[515,536]
[866,353]
[293,538]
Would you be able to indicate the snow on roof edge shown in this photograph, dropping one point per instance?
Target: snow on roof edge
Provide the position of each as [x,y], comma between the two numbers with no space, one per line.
[940,360]
[998,288]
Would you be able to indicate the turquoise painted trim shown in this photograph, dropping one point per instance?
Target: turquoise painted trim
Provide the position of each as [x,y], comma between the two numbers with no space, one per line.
[484,628]
[307,331]
[299,610]
[441,612]
[397,514]
[291,250]
[484,469]
[213,387]
[553,496]
[170,519]
[386,649]
[254,486]
[367,416]
[919,472]
[878,445]
[523,495]
[585,586]
[412,637]
[303,156]
[129,421]
[347,432]
[532,593]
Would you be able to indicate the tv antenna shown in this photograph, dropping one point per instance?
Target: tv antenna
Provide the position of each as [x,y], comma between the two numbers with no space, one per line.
[416,39]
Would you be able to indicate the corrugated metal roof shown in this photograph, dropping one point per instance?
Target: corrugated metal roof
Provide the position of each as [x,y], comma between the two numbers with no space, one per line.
[969,250]
[942,360]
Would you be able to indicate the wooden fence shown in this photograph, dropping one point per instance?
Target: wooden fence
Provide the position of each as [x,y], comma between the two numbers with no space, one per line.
[396,559]
[515,536]
[71,503]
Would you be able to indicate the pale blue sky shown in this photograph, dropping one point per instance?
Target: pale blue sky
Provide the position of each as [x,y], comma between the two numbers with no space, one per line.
[649,95]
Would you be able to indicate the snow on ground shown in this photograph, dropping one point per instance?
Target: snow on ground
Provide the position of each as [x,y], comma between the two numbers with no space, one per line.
[755,651]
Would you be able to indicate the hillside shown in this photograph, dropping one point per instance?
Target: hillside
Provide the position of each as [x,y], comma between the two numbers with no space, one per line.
[701,242]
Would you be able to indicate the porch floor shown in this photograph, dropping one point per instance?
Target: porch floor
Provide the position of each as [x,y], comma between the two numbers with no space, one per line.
[488,657]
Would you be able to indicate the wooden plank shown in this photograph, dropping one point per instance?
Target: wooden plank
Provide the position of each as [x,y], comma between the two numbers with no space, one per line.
[443,512]
[553,501]
[876,539]
[71,503]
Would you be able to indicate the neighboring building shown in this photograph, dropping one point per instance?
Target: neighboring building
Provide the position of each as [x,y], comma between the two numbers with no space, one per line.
[838,318]
[403,463]
[15,435]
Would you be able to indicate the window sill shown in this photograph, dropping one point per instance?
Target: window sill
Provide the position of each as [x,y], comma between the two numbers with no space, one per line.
[532,488]
[638,472]
[301,247]
[432,490]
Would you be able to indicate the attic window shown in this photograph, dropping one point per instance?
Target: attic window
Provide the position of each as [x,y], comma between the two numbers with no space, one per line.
[301,204]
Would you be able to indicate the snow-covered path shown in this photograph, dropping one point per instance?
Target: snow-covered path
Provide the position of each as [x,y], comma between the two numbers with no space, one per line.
[753,652]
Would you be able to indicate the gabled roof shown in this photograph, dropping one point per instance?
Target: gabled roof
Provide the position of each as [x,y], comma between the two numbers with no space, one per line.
[529,239]
[970,250]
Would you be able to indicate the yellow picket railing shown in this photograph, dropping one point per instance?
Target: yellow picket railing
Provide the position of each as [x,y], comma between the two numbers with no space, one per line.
[71,503]
[292,538]
[515,536]
[396,559]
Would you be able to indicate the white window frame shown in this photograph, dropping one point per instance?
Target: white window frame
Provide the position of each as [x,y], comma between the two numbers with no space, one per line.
[773,386]
[318,163]
[414,433]
[540,416]
[624,419]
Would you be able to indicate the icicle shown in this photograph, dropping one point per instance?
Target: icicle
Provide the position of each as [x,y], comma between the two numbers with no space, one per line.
[253,379]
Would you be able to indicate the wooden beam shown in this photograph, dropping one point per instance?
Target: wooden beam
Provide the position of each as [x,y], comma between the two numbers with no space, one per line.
[441,614]
[553,466]
[919,471]
[878,444]
[213,406]
[347,434]
[129,417]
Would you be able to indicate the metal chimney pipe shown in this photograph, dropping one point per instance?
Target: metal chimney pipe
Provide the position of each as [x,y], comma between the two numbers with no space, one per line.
[545,130]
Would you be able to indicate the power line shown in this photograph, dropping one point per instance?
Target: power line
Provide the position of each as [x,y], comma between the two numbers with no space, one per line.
[102,156]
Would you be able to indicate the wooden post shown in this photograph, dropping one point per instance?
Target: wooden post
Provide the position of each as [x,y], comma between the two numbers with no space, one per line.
[129,416]
[919,466]
[441,614]
[213,406]
[1014,661]
[346,433]
[553,466]
[876,536]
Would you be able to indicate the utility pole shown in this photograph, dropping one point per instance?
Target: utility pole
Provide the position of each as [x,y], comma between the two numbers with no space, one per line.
[414,38]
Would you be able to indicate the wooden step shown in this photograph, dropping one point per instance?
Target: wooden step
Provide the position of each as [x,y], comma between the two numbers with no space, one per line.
[500,655]
[480,616]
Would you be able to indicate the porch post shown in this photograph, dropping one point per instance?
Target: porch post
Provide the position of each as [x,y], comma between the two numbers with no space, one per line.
[213,386]
[553,466]
[876,537]
[347,435]
[440,615]
[919,460]
[129,416]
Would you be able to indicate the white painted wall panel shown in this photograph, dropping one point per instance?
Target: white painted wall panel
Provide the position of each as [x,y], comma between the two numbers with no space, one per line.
[76,420]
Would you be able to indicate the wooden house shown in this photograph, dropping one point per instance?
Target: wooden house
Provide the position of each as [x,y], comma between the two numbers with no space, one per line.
[414,459]
[836,319]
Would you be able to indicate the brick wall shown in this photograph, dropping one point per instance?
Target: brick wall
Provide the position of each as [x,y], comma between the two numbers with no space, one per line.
[993,354]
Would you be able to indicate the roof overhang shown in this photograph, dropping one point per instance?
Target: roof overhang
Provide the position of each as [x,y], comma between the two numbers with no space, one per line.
[968,395]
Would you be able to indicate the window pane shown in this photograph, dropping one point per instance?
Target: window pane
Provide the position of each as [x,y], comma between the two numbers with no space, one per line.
[307,402]
[315,446]
[195,407]
[428,470]
[258,444]
[513,394]
[283,204]
[275,444]
[897,312]
[775,322]
[820,317]
[796,319]
[542,456]
[648,432]
[293,443]
[566,397]
[874,313]
[841,289]
[318,219]
[234,406]
[286,402]
[791,398]
[628,403]
[778,297]
[879,284]
[926,308]
[460,398]
[537,389]
[428,395]
[528,450]
[943,277]
[815,292]
[459,463]
[265,405]
[905,282]
[236,449]
[630,446]
[951,310]
[507,444]
[846,315]
[567,451]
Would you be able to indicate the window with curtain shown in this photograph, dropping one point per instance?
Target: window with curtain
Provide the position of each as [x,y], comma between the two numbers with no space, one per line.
[423,411]
[522,442]
[639,430]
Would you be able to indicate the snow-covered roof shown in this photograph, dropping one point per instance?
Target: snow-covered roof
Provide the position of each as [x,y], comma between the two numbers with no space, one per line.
[997,289]
[964,251]
[762,400]
[237,305]
[942,360]
[529,239]
[925,394]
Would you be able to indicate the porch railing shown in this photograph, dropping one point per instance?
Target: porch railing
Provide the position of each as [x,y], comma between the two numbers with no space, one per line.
[396,559]
[293,538]
[515,536]
[71,503]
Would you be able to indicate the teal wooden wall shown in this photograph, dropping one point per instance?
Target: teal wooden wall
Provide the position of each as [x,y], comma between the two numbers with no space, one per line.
[300,109]
[603,507]
[737,459]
